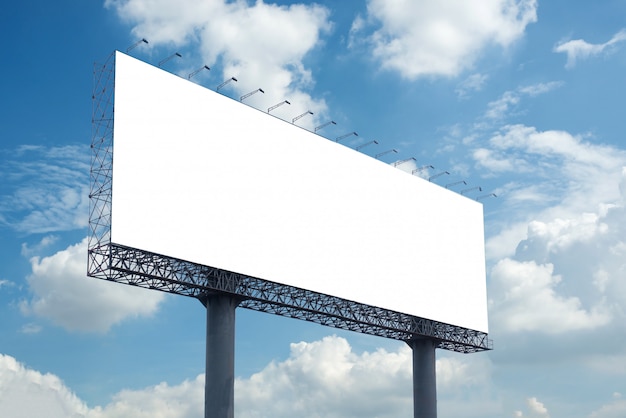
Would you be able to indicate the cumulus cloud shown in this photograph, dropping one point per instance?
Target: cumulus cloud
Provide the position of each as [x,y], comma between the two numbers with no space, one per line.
[320,378]
[185,400]
[326,378]
[557,265]
[615,409]
[566,274]
[440,38]
[579,49]
[262,45]
[26,393]
[527,300]
[63,294]
[535,408]
[47,188]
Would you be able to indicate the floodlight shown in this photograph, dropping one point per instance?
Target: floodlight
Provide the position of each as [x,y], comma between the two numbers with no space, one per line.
[323,125]
[447,186]
[197,71]
[225,82]
[397,163]
[163,61]
[269,109]
[422,168]
[366,144]
[385,152]
[308,112]
[245,96]
[480,189]
[339,138]
[136,44]
[437,175]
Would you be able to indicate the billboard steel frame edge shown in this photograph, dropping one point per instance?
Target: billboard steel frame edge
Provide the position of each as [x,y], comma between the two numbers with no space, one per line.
[113,262]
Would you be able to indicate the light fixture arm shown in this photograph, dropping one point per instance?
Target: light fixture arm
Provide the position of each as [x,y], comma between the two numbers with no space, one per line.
[308,112]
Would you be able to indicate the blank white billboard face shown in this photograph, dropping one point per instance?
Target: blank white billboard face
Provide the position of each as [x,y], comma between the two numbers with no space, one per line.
[203,178]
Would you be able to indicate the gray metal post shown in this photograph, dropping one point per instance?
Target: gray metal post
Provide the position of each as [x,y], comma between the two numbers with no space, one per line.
[424,378]
[219,390]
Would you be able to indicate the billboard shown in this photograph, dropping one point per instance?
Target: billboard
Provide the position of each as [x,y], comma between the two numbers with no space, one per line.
[203,178]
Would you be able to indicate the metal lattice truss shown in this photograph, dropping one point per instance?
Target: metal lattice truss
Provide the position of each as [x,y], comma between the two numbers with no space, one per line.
[101,173]
[110,261]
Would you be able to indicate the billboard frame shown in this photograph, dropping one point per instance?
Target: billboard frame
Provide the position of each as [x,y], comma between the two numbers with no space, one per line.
[122,264]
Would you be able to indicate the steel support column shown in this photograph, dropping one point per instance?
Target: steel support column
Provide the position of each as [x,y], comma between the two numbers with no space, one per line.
[424,378]
[219,395]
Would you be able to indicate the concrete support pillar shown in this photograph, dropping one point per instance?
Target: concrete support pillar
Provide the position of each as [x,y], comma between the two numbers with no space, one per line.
[424,378]
[219,395]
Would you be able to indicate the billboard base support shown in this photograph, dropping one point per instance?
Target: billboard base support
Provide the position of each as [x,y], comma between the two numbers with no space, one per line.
[219,390]
[424,378]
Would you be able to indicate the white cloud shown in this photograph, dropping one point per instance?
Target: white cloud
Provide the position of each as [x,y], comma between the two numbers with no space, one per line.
[45,242]
[408,165]
[64,294]
[535,408]
[474,82]
[6,283]
[558,235]
[358,24]
[504,243]
[554,143]
[48,189]
[579,49]
[499,162]
[262,45]
[559,178]
[575,174]
[321,378]
[540,88]
[26,393]
[500,108]
[566,273]
[525,298]
[326,378]
[436,37]
[615,409]
[185,400]
[31,328]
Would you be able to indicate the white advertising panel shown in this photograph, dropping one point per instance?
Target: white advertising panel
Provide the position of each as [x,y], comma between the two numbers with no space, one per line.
[204,178]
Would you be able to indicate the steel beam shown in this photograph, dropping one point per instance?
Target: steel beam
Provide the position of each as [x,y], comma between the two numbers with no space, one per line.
[153,271]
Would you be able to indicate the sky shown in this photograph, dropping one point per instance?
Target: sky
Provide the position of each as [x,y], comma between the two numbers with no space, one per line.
[521,98]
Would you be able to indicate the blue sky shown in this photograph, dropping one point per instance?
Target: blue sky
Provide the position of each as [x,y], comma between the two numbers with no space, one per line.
[522,98]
